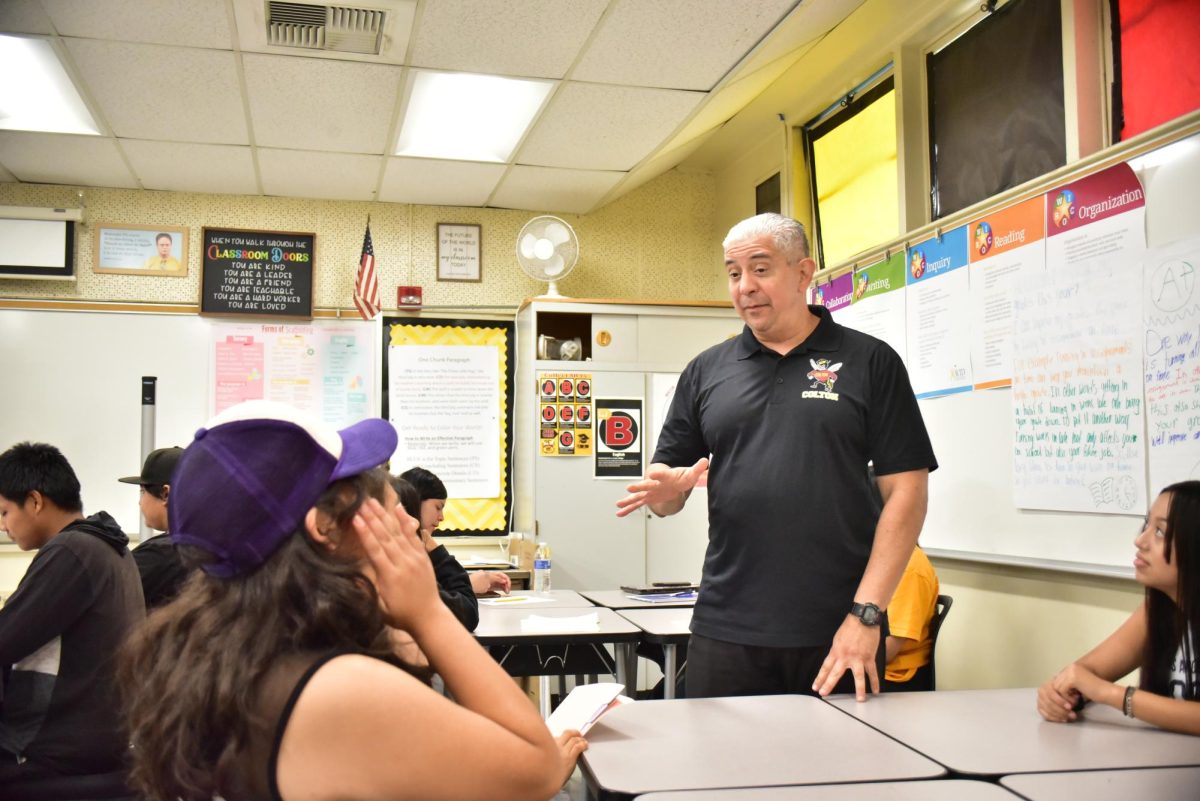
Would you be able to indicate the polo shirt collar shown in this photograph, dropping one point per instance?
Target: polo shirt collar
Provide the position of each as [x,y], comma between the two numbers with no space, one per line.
[827,336]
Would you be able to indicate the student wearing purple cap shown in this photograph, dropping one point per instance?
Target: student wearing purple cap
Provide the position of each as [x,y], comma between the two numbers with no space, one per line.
[158,560]
[277,658]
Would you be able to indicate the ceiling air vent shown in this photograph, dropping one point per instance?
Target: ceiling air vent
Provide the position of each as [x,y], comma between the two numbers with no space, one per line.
[340,28]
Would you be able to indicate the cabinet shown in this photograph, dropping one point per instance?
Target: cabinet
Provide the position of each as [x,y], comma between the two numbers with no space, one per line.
[628,349]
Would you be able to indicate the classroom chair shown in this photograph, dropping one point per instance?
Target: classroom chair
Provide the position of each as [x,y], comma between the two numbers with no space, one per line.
[944,602]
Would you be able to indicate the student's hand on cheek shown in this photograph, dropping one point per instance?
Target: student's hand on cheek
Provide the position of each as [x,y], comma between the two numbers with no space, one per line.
[403,572]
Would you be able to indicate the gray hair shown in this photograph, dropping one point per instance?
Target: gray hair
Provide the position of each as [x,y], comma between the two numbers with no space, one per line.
[788,234]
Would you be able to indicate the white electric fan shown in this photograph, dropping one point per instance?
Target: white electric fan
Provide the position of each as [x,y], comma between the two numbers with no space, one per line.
[547,250]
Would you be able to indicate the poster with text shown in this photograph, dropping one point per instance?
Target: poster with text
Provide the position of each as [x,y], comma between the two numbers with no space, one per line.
[1172,319]
[326,370]
[619,438]
[1097,217]
[877,302]
[834,294]
[1078,421]
[937,314]
[566,416]
[1008,254]
[445,403]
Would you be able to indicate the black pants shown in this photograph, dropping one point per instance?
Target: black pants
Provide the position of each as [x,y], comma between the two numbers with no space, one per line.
[921,680]
[716,668]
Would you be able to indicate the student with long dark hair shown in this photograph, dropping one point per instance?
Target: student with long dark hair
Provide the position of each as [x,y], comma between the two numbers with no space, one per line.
[1160,637]
[432,495]
[276,662]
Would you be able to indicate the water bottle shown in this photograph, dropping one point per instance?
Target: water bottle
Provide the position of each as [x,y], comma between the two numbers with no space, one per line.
[541,568]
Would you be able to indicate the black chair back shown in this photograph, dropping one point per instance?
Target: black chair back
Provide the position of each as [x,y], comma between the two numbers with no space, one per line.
[944,602]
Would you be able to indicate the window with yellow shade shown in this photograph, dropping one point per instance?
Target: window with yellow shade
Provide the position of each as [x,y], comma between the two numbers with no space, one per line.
[852,166]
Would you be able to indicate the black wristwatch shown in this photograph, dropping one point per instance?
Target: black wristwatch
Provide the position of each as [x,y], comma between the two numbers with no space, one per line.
[869,614]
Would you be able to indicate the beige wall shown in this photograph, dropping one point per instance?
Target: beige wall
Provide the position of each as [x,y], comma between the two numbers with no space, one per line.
[657,243]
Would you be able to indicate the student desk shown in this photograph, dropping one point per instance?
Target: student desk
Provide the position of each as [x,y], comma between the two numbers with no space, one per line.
[759,741]
[997,732]
[947,790]
[669,628]
[501,626]
[1160,784]
[619,599]
[555,599]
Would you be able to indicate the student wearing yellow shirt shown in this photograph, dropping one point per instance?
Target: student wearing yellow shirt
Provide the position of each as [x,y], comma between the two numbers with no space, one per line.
[910,642]
[162,261]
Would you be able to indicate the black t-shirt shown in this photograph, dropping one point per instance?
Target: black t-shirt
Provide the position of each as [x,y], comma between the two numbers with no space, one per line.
[791,512]
[161,569]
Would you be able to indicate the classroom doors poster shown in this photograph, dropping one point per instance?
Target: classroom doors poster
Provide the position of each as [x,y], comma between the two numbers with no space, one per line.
[565,414]
[619,438]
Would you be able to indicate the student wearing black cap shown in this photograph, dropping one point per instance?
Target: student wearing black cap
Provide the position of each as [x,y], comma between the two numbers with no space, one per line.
[158,562]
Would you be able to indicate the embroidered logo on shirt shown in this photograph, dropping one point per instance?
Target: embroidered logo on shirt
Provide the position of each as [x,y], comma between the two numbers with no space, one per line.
[824,375]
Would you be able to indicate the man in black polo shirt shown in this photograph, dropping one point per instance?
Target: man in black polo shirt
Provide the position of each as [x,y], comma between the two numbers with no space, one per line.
[801,558]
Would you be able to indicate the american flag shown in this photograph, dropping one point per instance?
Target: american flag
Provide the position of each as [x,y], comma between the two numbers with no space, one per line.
[366,287]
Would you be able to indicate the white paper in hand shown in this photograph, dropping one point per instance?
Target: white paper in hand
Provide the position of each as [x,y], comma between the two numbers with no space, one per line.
[582,707]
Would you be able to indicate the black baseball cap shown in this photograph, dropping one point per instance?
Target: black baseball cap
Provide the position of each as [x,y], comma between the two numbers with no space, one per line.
[159,467]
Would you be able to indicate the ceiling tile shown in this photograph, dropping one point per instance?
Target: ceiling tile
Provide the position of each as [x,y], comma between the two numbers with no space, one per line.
[549,189]
[24,16]
[190,23]
[676,44]
[659,164]
[152,91]
[592,126]
[533,38]
[800,31]
[62,159]
[327,176]
[434,182]
[317,104]
[182,167]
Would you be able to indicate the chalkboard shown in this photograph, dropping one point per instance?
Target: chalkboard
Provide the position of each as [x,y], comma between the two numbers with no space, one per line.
[971,511]
[259,273]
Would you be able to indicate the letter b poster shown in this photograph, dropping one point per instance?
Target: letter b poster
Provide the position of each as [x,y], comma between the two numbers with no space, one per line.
[619,438]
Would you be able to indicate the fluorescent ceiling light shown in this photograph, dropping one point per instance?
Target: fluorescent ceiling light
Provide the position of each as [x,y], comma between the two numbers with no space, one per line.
[468,117]
[43,98]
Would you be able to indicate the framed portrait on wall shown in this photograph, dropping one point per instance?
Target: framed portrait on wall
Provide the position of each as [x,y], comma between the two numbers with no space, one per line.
[459,249]
[140,250]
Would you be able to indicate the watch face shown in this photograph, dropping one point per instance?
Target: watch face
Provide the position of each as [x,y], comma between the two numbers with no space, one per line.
[870,615]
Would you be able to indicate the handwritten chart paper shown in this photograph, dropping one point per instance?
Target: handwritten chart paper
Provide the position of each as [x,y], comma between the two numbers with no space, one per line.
[1172,311]
[938,314]
[1008,253]
[1077,392]
[877,306]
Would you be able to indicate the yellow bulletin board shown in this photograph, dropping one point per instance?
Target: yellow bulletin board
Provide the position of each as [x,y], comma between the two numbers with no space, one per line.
[483,516]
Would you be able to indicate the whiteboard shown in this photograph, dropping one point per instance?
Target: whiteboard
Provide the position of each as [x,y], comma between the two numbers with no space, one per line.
[971,512]
[73,379]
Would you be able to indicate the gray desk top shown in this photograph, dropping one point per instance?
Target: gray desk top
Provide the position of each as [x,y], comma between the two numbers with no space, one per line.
[997,732]
[619,599]
[661,625]
[944,790]
[1161,784]
[521,599]
[502,626]
[706,743]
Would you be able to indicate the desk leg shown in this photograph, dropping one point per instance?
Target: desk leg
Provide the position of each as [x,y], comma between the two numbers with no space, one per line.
[627,667]
[544,696]
[670,668]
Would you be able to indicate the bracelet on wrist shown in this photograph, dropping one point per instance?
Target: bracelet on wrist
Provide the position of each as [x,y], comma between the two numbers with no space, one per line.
[1127,707]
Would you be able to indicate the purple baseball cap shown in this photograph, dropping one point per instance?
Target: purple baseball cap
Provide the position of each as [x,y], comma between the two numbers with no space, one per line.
[252,473]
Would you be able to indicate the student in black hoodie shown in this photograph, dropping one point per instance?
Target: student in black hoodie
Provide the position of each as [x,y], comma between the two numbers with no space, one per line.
[60,630]
[157,559]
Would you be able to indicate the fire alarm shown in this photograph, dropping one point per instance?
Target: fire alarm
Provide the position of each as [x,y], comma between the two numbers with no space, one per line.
[408,296]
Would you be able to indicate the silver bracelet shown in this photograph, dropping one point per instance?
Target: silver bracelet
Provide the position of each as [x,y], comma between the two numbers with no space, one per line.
[1128,706]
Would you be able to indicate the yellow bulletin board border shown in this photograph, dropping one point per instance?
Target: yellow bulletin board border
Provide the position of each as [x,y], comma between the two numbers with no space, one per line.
[463,516]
